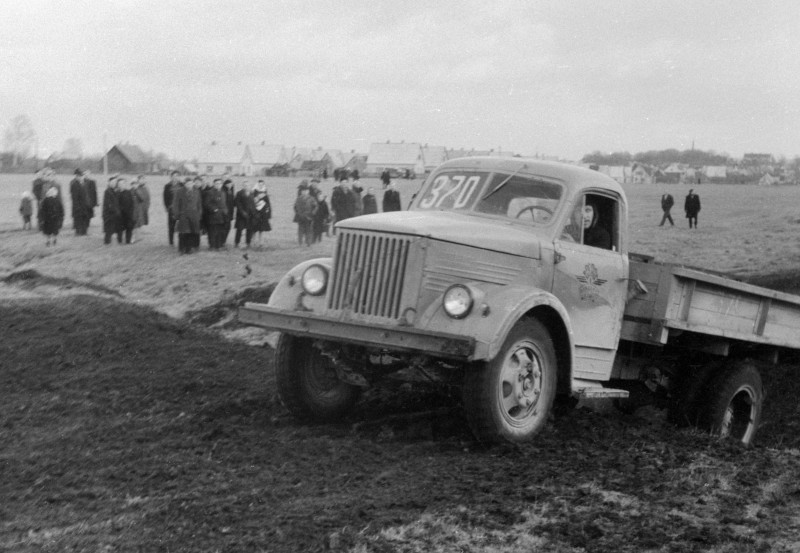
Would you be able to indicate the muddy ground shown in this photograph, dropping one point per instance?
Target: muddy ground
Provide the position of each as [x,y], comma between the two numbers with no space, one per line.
[126,430]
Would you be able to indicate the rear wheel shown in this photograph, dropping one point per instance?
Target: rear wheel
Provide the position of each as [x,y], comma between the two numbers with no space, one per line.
[307,383]
[510,397]
[735,398]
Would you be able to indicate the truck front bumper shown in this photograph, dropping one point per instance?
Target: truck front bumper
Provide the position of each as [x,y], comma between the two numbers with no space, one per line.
[303,323]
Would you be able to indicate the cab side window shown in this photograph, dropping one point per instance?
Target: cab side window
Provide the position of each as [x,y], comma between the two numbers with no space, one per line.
[594,222]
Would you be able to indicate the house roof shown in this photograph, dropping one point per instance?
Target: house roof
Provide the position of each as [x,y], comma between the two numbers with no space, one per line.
[132,153]
[222,153]
[268,154]
[402,153]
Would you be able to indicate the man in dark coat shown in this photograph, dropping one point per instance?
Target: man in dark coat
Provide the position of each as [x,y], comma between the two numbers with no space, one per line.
[667,201]
[341,203]
[369,202]
[112,216]
[245,207]
[187,208]
[391,199]
[215,207]
[169,195]
[386,177]
[692,207]
[127,208]
[91,191]
[81,204]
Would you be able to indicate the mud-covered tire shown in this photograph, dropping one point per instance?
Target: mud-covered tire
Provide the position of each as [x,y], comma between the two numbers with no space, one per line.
[509,398]
[734,402]
[307,384]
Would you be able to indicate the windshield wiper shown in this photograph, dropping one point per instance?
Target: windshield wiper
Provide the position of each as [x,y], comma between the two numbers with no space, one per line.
[502,184]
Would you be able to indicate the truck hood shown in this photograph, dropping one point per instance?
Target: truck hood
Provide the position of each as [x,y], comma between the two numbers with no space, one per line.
[457,228]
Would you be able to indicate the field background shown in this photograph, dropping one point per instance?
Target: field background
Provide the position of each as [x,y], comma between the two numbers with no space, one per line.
[128,424]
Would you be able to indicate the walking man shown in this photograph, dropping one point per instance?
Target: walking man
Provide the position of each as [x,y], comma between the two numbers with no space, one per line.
[667,201]
[692,207]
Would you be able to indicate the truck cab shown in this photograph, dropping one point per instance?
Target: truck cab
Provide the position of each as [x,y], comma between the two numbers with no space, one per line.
[508,275]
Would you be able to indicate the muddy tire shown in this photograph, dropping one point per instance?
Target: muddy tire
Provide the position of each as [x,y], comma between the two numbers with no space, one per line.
[509,398]
[307,383]
[735,398]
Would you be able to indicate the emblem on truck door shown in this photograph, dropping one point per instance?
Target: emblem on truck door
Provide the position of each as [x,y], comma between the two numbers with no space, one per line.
[589,283]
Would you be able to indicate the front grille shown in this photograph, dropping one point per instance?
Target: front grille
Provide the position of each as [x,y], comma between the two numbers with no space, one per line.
[368,271]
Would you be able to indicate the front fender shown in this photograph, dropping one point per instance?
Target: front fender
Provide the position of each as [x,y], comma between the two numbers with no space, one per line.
[289,294]
[495,312]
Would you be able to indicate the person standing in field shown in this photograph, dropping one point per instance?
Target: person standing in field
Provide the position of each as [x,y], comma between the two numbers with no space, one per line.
[215,207]
[127,208]
[51,215]
[141,198]
[369,202]
[81,208]
[187,208]
[667,201]
[26,210]
[692,207]
[304,209]
[391,199]
[168,196]
[112,216]
[260,222]
[91,192]
[245,208]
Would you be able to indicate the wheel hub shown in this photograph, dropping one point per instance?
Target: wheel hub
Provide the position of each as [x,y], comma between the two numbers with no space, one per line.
[522,383]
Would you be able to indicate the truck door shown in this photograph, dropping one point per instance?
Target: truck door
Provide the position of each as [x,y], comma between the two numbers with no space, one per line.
[588,278]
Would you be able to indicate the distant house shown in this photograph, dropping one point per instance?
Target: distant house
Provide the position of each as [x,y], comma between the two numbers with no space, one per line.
[218,159]
[716,173]
[642,174]
[619,173]
[357,162]
[266,159]
[674,173]
[297,156]
[129,158]
[433,156]
[401,156]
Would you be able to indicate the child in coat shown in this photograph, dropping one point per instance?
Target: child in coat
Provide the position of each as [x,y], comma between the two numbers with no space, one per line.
[26,210]
[51,215]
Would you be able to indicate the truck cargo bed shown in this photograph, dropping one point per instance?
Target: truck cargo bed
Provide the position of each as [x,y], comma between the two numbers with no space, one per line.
[684,299]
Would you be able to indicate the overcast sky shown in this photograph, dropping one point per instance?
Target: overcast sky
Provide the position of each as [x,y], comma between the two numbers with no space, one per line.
[555,78]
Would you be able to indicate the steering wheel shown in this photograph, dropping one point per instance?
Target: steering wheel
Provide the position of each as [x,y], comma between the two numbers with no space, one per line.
[533,209]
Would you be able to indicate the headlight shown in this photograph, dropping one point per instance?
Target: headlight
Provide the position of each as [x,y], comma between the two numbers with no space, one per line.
[314,280]
[457,301]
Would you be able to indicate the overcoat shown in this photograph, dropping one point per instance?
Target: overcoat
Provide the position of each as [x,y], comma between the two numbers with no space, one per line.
[187,208]
[112,216]
[51,215]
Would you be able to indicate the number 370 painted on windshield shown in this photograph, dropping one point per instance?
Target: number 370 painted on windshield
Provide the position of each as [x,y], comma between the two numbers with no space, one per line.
[451,192]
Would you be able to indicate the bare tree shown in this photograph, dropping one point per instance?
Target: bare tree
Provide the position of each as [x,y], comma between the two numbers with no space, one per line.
[19,137]
[73,148]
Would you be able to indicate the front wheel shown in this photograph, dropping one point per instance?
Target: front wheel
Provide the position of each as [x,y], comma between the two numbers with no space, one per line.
[735,398]
[510,397]
[307,383]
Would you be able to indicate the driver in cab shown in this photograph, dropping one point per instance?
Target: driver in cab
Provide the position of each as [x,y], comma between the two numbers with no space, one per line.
[585,220]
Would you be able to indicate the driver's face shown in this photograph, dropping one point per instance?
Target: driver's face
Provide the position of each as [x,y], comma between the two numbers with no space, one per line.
[588,216]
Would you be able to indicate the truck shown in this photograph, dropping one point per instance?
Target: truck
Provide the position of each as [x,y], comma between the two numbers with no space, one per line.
[511,278]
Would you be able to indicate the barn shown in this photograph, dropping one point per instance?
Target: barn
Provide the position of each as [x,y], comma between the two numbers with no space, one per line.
[130,159]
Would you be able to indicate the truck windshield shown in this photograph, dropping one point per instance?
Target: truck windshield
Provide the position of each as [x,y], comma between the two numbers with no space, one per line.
[520,197]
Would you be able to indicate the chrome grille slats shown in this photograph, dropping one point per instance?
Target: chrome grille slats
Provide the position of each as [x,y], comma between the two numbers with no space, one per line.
[368,273]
